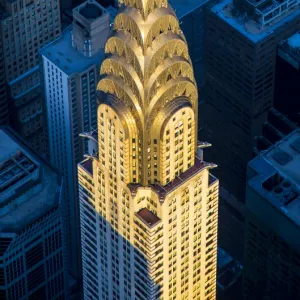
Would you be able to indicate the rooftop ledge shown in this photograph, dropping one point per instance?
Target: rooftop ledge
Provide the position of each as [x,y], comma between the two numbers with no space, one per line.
[148,217]
[87,165]
[162,191]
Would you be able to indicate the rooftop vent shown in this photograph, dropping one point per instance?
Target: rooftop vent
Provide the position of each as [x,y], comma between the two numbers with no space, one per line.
[282,157]
[272,182]
[91,11]
[280,188]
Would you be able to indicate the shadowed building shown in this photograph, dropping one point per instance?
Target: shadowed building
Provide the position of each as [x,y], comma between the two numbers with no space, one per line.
[240,56]
[287,94]
[285,116]
[71,72]
[191,15]
[4,118]
[148,204]
[272,251]
[33,253]
[25,26]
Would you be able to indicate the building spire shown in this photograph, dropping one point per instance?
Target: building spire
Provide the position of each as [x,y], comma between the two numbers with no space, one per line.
[144,6]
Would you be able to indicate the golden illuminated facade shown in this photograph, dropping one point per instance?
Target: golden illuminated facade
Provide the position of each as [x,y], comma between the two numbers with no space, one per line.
[148,204]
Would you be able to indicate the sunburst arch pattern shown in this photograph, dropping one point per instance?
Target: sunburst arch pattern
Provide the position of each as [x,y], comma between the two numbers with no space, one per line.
[147,66]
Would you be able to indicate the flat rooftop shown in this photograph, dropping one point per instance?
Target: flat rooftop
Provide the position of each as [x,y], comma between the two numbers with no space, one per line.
[289,50]
[294,41]
[61,53]
[184,8]
[148,217]
[223,258]
[249,28]
[29,187]
[229,270]
[278,175]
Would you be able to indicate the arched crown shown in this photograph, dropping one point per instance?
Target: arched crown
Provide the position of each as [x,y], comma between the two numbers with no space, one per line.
[148,76]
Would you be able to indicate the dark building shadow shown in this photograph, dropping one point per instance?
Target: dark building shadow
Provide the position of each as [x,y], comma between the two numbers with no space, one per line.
[117,269]
[287,92]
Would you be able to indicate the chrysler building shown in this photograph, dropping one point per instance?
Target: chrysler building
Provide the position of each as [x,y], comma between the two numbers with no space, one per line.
[148,203]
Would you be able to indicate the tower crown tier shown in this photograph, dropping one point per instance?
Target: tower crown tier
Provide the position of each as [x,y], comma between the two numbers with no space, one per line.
[147,79]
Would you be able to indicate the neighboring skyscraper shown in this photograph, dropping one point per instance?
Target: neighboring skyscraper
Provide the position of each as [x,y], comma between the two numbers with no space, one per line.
[71,67]
[287,78]
[148,205]
[191,15]
[25,26]
[241,42]
[33,250]
[272,250]
[285,116]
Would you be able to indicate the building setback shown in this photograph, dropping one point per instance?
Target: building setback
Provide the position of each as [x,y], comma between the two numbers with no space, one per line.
[33,253]
[148,204]
[240,54]
[272,252]
[71,71]
[25,26]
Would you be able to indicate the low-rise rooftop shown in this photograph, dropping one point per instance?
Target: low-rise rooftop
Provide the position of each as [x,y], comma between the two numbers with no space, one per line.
[294,41]
[61,53]
[289,50]
[229,270]
[251,28]
[186,7]
[277,176]
[29,187]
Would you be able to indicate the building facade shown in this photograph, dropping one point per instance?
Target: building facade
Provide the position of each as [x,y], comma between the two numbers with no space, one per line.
[287,76]
[148,204]
[26,26]
[240,55]
[272,252]
[71,72]
[33,255]
[4,119]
